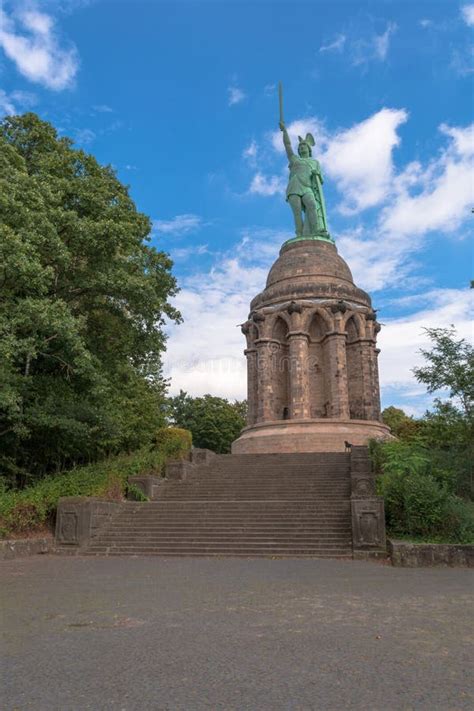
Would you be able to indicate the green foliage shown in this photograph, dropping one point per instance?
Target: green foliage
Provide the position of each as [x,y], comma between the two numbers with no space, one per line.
[134,493]
[450,365]
[419,498]
[426,477]
[83,299]
[401,425]
[33,507]
[213,421]
[176,442]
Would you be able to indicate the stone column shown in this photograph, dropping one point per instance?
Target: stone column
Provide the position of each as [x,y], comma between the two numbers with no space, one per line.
[264,361]
[377,408]
[252,386]
[368,366]
[337,373]
[299,375]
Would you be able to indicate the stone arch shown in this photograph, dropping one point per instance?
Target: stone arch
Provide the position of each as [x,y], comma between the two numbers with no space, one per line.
[280,330]
[272,320]
[280,369]
[318,366]
[352,329]
[357,321]
[323,315]
[355,380]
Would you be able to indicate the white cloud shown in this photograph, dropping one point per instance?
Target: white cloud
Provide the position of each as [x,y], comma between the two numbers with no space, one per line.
[337,45]
[365,48]
[205,353]
[463,138]
[462,60]
[84,136]
[181,224]
[467,12]
[360,159]
[437,196]
[250,153]
[374,47]
[269,89]
[6,104]
[267,185]
[426,23]
[31,42]
[16,101]
[382,42]
[376,261]
[183,253]
[400,339]
[102,109]
[235,95]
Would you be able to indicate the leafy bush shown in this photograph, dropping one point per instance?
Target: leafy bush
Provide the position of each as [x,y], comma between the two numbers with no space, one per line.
[459,517]
[213,421]
[134,493]
[175,442]
[35,506]
[419,502]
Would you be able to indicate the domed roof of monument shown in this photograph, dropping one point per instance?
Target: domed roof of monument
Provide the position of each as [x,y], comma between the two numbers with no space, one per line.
[308,269]
[309,260]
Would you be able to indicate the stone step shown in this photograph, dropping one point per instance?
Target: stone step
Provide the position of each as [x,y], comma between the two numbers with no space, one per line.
[236,497]
[324,473]
[240,539]
[255,514]
[320,528]
[241,505]
[236,516]
[337,555]
[284,486]
[225,551]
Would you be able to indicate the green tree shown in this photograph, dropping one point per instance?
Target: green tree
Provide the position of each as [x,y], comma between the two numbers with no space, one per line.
[83,299]
[213,421]
[401,424]
[451,366]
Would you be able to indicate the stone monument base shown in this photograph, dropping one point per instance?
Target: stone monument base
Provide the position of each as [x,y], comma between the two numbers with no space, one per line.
[317,435]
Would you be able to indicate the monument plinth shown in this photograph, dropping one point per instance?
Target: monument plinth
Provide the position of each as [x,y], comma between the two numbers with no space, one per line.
[311,356]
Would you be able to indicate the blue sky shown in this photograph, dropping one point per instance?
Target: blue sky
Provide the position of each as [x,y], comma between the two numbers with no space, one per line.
[180,97]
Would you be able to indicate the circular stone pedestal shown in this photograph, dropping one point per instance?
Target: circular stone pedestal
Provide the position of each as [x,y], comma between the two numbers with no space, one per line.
[316,435]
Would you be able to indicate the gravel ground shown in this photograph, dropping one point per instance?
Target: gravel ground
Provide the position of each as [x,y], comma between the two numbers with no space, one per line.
[190,634]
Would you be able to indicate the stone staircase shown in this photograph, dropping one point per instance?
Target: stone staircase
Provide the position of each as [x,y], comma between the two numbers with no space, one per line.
[241,505]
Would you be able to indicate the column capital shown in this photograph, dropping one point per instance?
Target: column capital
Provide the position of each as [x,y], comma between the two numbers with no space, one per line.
[298,334]
[333,334]
[264,341]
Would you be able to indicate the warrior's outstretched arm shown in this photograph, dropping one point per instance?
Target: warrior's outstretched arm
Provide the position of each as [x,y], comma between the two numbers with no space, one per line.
[286,141]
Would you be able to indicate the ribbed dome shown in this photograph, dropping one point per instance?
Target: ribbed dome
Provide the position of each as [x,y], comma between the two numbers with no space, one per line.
[307,260]
[309,269]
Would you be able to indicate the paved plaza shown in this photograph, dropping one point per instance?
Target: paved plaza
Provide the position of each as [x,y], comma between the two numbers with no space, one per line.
[194,633]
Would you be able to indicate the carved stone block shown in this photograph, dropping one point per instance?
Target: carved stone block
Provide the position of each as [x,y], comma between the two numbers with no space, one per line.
[201,456]
[368,523]
[79,518]
[362,486]
[178,469]
[146,484]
